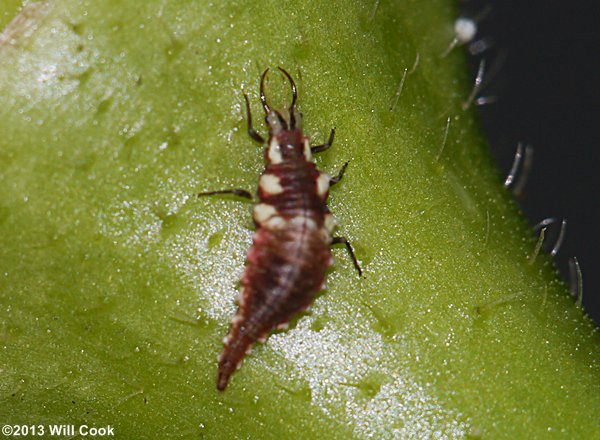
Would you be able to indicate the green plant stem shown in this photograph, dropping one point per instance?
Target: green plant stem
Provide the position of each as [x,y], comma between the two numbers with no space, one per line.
[117,284]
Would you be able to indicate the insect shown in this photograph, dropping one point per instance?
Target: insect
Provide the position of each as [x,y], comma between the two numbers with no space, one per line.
[291,248]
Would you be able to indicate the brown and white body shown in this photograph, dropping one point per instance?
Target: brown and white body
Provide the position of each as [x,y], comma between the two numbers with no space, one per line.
[291,248]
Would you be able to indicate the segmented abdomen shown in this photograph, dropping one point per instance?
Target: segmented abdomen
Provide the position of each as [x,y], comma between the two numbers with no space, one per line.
[286,269]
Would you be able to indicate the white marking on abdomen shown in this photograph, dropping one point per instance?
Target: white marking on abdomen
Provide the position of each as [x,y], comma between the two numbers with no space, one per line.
[330,222]
[262,212]
[323,184]
[270,184]
[275,222]
[329,225]
[300,220]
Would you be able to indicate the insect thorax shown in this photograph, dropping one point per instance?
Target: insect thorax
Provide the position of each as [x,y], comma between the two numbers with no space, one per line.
[286,139]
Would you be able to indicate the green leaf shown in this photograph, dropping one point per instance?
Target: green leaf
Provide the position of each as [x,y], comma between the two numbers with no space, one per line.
[117,284]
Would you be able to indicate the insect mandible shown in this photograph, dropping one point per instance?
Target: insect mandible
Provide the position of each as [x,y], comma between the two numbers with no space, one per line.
[291,248]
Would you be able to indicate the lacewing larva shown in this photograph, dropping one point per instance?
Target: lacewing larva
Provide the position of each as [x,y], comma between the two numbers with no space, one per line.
[291,248]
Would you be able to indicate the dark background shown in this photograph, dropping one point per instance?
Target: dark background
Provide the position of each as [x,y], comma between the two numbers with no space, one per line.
[548,96]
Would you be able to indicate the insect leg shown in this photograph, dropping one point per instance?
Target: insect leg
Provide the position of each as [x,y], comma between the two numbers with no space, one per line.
[344,240]
[253,134]
[337,178]
[237,192]
[326,145]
